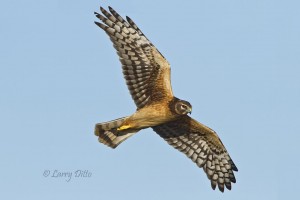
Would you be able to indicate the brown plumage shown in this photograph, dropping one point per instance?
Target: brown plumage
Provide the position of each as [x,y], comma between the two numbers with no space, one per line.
[147,75]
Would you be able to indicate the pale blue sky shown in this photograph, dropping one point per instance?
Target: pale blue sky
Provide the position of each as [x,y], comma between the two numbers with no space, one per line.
[237,62]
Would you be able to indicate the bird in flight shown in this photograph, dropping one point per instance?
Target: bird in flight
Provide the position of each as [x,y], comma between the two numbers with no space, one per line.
[147,75]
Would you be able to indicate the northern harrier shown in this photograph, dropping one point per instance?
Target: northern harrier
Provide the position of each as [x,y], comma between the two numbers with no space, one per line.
[147,75]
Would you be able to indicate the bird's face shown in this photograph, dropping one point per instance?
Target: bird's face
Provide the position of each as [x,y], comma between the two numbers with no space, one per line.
[183,107]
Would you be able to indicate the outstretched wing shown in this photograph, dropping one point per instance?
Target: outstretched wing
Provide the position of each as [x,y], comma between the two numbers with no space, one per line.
[203,146]
[146,71]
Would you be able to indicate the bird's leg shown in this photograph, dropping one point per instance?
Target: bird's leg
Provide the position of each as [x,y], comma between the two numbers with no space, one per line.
[123,127]
[127,124]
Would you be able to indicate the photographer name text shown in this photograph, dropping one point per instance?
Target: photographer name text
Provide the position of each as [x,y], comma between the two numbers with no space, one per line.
[67,175]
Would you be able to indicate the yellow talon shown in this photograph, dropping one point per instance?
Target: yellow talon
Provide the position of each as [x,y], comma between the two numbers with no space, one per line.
[123,128]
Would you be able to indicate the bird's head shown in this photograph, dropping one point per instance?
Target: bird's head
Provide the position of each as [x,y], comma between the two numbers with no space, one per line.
[182,107]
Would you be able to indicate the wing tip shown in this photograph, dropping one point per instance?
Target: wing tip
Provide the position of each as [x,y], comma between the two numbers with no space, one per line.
[234,168]
[128,19]
[102,9]
[221,187]
[111,9]
[100,25]
[228,185]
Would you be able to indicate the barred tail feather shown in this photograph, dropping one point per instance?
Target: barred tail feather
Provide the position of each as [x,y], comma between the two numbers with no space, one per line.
[109,135]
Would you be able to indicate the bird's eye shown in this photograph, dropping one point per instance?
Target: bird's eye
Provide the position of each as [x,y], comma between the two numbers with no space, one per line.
[183,107]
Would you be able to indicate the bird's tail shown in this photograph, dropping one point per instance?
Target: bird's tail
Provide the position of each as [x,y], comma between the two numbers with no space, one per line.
[109,135]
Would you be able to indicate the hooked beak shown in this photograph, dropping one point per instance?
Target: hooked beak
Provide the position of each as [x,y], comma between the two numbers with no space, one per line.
[190,111]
